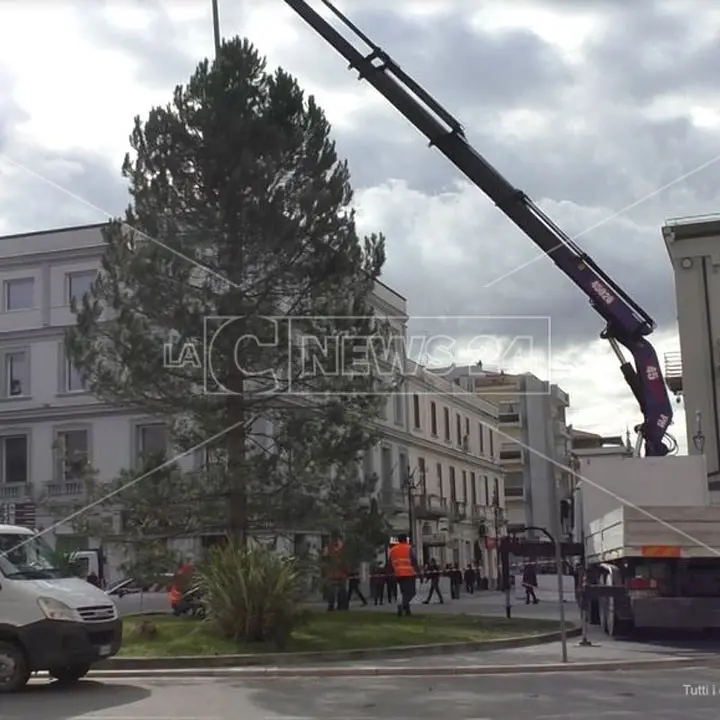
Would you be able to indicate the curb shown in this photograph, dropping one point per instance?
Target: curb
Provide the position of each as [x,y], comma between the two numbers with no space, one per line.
[278,660]
[410,672]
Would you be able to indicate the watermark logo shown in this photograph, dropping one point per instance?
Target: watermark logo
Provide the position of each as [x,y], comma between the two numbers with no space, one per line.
[351,355]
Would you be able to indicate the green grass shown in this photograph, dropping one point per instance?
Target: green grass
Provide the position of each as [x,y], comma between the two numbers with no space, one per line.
[327,631]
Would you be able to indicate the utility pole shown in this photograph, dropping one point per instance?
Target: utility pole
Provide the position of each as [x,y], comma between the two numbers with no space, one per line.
[216,26]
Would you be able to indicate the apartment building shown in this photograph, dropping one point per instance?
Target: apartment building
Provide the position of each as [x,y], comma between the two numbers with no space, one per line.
[534,439]
[50,425]
[439,470]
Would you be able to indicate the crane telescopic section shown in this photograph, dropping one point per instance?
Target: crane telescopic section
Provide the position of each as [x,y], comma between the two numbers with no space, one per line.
[626,323]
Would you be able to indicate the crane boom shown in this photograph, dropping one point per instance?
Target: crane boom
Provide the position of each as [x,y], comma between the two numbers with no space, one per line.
[627,324]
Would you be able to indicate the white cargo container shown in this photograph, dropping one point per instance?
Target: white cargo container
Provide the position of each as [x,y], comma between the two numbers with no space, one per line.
[651,533]
[609,481]
[664,563]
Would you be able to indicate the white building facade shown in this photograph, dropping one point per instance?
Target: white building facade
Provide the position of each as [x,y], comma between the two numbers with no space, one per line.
[47,416]
[438,473]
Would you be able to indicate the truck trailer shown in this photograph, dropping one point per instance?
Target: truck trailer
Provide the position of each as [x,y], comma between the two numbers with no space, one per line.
[662,564]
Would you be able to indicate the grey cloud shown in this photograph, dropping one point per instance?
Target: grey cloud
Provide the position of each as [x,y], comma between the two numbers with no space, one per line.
[646,55]
[72,188]
[512,69]
[159,50]
[11,115]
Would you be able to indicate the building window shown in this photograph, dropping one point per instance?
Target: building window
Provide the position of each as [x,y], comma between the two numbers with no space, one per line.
[433,419]
[464,486]
[79,284]
[421,472]
[14,449]
[473,488]
[453,489]
[466,439]
[487,491]
[440,479]
[446,418]
[458,428]
[496,490]
[492,443]
[73,380]
[17,374]
[416,411]
[19,294]
[72,454]
[151,441]
[398,400]
[481,438]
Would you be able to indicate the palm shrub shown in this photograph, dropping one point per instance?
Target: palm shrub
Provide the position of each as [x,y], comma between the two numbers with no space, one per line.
[252,594]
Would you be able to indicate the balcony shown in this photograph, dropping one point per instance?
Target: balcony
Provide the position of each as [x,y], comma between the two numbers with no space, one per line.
[509,419]
[458,510]
[65,490]
[510,451]
[393,500]
[428,507]
[477,513]
[673,372]
[16,492]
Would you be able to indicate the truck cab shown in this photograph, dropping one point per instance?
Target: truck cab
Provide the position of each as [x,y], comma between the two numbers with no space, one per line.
[49,620]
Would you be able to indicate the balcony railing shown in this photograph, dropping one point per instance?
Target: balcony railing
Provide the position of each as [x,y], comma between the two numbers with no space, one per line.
[509,418]
[16,491]
[674,372]
[65,489]
[428,506]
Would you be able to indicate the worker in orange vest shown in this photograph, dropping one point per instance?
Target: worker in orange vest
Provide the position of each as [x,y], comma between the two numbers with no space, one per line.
[181,580]
[406,569]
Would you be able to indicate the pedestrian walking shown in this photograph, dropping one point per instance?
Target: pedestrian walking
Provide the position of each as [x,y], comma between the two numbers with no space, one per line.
[530,583]
[354,587]
[406,570]
[456,579]
[469,580]
[390,583]
[433,575]
[377,584]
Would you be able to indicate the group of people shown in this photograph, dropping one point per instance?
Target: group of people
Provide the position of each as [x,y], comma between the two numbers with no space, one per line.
[396,580]
[400,577]
[383,582]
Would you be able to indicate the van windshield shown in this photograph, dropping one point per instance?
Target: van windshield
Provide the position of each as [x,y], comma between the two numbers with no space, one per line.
[29,557]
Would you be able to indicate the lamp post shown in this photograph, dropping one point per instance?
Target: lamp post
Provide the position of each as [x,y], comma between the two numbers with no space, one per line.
[411,484]
[498,521]
[216,26]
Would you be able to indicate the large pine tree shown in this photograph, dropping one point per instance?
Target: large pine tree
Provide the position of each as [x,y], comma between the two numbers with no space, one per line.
[240,238]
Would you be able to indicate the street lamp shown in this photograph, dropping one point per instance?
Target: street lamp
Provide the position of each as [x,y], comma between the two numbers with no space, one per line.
[498,522]
[698,437]
[412,484]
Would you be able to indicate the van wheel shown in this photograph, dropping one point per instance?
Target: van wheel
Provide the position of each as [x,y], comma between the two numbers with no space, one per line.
[14,672]
[70,673]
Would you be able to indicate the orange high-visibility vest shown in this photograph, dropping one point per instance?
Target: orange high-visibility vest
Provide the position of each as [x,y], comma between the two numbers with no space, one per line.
[401,560]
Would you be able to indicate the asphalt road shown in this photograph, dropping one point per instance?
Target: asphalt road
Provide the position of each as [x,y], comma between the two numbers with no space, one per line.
[680,694]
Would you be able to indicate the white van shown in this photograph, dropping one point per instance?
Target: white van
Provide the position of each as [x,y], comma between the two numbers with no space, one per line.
[49,620]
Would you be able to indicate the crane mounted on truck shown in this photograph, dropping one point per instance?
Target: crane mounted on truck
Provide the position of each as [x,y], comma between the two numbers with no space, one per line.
[627,324]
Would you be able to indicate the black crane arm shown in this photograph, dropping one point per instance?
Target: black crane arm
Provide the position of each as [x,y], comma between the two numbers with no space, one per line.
[627,323]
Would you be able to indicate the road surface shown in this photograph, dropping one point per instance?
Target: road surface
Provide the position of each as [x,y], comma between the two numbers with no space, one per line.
[680,694]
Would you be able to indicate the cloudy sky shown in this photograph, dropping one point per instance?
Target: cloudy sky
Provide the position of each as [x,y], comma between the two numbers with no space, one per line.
[603,111]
